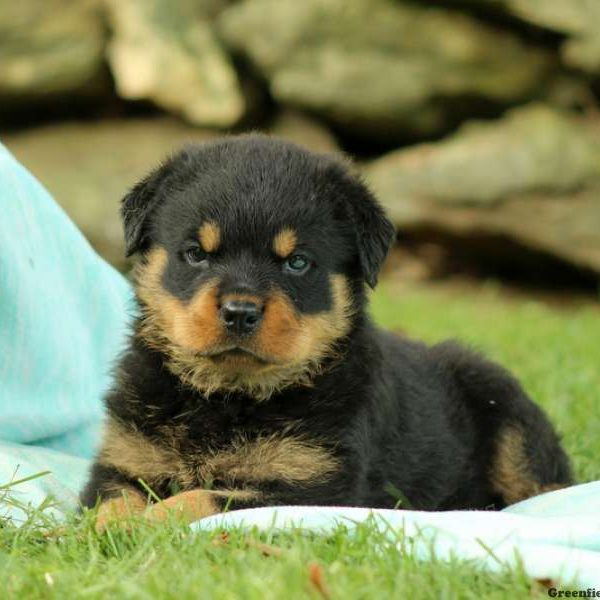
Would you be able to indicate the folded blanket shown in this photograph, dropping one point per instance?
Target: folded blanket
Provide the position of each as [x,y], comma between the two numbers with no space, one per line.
[63,318]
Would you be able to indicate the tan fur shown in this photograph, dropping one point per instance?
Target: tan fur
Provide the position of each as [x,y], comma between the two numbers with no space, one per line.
[129,503]
[511,475]
[137,456]
[188,506]
[280,457]
[289,459]
[291,346]
[194,504]
[197,326]
[280,330]
[209,235]
[193,326]
[321,331]
[284,243]
[242,298]
[304,338]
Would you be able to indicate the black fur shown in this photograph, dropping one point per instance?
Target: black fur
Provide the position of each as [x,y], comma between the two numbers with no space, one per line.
[404,420]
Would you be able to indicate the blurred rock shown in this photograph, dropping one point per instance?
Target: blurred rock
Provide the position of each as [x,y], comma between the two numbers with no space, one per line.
[532,177]
[579,19]
[49,47]
[379,67]
[301,129]
[166,51]
[534,148]
[88,167]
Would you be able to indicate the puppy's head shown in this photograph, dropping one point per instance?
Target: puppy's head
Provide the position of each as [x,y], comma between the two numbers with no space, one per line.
[254,255]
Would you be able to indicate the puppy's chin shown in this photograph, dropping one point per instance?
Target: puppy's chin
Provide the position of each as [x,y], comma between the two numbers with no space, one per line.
[251,371]
[209,370]
[237,371]
[238,361]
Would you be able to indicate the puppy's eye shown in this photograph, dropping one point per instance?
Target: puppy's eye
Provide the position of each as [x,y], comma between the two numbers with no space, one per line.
[195,256]
[297,264]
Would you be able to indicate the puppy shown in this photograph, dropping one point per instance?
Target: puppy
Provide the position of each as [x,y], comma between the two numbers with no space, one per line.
[255,377]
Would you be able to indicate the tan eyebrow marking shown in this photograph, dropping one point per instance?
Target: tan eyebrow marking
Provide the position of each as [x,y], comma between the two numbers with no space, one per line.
[284,243]
[209,235]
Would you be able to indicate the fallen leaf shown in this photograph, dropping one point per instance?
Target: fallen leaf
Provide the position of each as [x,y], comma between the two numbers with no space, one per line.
[266,549]
[317,579]
[221,540]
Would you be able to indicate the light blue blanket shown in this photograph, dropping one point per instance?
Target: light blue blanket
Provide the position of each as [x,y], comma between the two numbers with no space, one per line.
[63,318]
[555,536]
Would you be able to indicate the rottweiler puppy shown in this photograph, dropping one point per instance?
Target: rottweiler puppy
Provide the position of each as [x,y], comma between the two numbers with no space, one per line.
[255,377]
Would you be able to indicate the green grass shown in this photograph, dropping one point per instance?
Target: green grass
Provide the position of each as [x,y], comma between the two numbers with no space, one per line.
[555,352]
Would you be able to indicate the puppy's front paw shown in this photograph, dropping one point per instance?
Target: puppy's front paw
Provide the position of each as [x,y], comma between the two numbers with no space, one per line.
[188,506]
[119,510]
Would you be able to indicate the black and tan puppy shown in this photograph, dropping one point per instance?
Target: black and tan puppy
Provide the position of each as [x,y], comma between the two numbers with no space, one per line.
[254,376]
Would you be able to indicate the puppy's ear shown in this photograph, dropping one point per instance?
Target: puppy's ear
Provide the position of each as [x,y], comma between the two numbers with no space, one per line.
[137,207]
[374,231]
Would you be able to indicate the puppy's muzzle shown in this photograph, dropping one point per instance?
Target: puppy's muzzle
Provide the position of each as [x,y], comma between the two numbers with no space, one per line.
[241,317]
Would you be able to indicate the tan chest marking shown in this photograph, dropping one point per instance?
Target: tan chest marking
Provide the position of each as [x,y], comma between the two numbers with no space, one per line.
[244,463]
[275,458]
[138,456]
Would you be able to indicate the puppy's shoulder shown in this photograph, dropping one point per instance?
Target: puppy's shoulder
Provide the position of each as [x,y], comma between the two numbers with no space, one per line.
[403,360]
[467,366]
[448,363]
[398,348]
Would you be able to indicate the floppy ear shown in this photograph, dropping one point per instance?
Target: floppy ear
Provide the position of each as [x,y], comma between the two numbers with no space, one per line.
[374,231]
[138,205]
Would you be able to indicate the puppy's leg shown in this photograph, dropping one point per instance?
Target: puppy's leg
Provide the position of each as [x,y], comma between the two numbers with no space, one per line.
[119,496]
[527,461]
[518,451]
[196,504]
[526,456]
[120,508]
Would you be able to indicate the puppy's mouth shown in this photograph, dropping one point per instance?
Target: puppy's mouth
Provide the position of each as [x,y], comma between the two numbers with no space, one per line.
[237,354]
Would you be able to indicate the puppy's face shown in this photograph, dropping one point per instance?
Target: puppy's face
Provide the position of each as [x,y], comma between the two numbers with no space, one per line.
[254,258]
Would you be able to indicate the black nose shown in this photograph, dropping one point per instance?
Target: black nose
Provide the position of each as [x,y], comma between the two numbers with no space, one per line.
[240,317]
